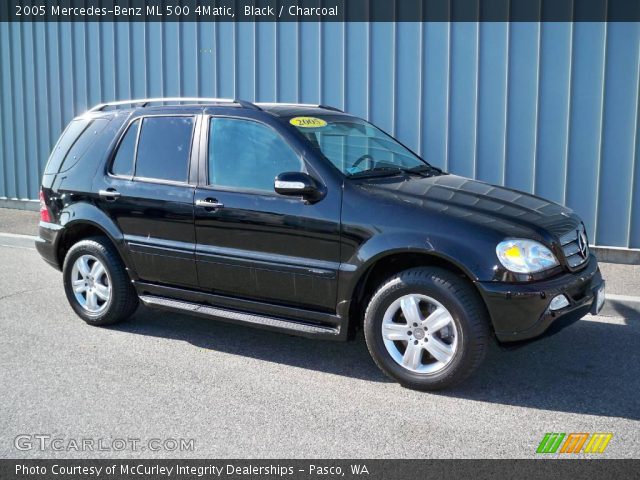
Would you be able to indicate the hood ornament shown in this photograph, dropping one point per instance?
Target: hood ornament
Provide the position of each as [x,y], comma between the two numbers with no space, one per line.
[583,247]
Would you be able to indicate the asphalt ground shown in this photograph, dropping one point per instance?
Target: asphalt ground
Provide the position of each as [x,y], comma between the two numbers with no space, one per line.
[240,392]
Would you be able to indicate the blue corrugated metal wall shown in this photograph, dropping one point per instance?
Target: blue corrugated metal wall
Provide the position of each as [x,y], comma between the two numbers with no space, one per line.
[548,108]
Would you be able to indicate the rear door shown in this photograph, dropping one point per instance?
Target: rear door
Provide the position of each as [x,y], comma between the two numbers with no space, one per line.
[251,242]
[148,193]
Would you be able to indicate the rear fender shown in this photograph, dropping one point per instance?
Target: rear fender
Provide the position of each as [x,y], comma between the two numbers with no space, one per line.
[86,213]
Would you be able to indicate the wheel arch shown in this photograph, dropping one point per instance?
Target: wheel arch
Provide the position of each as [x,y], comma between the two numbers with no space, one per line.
[387,264]
[85,220]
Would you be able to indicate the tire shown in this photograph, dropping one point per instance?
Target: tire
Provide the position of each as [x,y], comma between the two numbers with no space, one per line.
[114,283]
[459,340]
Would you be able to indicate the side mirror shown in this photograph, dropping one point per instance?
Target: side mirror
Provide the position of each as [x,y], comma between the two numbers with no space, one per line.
[298,184]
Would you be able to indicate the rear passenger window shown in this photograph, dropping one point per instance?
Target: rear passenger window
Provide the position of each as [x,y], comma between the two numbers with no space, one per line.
[164,147]
[123,161]
[73,143]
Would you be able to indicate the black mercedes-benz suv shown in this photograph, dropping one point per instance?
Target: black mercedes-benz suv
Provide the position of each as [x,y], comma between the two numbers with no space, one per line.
[305,220]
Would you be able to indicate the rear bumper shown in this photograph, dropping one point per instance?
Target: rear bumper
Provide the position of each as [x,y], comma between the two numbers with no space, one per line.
[521,312]
[47,243]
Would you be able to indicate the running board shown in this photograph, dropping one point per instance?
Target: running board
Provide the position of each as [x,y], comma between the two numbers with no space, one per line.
[256,320]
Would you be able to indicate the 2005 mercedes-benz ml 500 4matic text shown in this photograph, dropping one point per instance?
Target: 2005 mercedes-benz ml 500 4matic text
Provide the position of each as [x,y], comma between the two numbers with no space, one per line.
[305,220]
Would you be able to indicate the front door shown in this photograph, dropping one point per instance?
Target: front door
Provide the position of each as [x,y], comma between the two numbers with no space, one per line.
[147,194]
[251,242]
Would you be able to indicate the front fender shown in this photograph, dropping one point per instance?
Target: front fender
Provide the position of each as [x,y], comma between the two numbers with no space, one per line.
[455,251]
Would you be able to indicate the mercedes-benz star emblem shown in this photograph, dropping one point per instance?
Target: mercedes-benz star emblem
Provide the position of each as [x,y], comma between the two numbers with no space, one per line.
[582,244]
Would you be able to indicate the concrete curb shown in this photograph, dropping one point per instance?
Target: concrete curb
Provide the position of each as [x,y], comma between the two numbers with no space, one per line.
[615,305]
[19,204]
[625,256]
[620,306]
[16,240]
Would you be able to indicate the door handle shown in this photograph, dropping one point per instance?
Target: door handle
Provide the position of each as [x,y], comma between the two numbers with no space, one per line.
[209,203]
[109,193]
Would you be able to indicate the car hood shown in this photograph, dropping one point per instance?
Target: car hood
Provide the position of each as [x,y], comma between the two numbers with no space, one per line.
[508,211]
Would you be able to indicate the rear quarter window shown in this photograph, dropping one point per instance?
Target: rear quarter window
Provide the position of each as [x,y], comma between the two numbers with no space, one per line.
[73,143]
[123,162]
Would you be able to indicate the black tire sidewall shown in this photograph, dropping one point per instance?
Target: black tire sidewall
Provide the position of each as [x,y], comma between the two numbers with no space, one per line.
[390,292]
[115,270]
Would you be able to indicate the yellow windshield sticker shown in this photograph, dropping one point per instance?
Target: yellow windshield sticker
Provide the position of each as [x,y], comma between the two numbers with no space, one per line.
[308,122]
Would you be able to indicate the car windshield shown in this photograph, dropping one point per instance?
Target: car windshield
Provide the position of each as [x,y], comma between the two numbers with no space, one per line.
[356,147]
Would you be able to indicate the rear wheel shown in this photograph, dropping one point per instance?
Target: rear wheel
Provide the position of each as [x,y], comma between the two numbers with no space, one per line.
[426,328]
[97,284]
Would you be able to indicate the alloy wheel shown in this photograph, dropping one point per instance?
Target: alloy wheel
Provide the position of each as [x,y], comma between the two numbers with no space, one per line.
[419,333]
[91,284]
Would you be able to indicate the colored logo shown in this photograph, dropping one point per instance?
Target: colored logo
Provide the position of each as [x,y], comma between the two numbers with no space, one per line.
[574,443]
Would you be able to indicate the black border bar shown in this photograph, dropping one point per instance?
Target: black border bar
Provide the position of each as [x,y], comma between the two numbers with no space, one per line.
[320,10]
[592,469]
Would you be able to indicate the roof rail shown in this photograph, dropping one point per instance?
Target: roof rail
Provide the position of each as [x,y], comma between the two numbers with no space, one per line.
[329,107]
[318,105]
[143,102]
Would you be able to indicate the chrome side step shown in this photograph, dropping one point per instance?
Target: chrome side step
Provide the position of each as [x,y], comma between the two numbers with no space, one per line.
[257,320]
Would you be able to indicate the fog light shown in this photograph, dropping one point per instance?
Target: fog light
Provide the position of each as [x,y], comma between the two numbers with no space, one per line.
[558,302]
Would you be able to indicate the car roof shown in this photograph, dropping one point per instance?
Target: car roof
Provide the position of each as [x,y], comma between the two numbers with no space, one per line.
[186,105]
[298,109]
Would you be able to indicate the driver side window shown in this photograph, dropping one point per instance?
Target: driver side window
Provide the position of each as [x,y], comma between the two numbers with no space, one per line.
[247,155]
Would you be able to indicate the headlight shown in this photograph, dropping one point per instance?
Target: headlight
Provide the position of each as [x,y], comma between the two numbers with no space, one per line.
[525,256]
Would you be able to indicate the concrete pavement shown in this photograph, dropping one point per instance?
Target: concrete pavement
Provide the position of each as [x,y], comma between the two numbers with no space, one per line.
[24,222]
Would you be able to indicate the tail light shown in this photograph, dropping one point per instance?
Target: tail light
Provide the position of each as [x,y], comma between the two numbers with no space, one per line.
[44,212]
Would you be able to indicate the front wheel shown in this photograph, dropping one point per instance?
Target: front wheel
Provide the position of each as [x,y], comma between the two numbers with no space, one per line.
[97,284]
[426,328]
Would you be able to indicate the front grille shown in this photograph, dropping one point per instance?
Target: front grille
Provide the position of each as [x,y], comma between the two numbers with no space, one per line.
[575,246]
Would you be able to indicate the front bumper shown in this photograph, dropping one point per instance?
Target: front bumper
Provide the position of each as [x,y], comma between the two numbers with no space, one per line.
[47,243]
[521,311]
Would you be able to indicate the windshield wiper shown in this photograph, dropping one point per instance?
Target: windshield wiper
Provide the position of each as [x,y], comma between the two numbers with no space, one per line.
[420,170]
[378,172]
[423,169]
